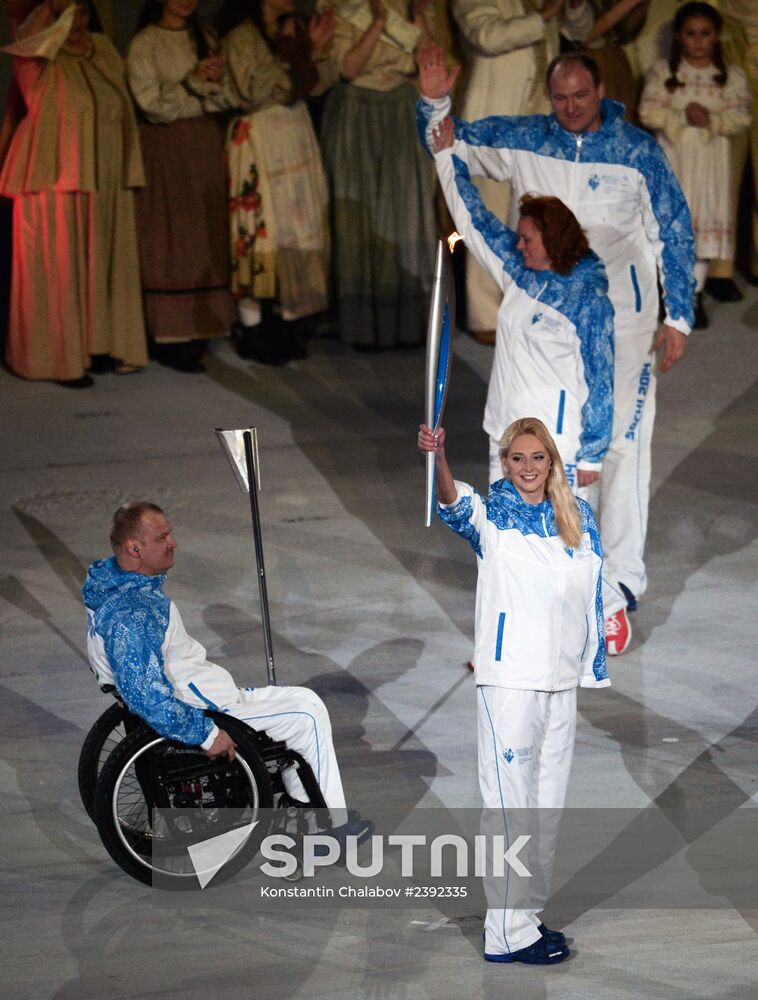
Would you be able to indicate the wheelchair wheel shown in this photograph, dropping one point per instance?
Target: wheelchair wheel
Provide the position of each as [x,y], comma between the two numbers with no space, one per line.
[155,798]
[105,735]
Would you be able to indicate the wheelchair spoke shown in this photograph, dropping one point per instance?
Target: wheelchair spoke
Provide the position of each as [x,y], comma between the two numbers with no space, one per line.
[109,745]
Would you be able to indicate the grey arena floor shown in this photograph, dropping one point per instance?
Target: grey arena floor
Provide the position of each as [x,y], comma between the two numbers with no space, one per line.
[375,612]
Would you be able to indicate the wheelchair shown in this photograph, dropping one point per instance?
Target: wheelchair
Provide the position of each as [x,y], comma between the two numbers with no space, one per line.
[151,798]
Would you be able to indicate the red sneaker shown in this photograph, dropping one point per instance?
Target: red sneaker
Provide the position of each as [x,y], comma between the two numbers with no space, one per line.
[618,633]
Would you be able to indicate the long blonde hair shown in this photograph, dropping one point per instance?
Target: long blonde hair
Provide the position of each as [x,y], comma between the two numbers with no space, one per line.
[557,488]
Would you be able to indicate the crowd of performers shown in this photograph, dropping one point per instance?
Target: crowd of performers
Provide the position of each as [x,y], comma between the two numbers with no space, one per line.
[232,234]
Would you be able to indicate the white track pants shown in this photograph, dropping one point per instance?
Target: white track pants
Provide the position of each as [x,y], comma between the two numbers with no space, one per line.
[300,718]
[625,476]
[526,743]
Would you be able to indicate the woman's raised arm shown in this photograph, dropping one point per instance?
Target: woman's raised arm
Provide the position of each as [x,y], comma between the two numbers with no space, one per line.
[434,441]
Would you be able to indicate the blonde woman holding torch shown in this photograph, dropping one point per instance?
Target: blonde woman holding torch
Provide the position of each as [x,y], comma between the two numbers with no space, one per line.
[538,635]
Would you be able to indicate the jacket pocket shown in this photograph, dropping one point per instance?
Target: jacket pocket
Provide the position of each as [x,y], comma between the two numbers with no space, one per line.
[499,637]
[561,412]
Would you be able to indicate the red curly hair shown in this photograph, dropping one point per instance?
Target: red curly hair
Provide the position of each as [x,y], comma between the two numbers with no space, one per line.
[564,239]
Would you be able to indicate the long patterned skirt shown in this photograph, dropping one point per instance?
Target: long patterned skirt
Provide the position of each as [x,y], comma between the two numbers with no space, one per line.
[278,210]
[381,186]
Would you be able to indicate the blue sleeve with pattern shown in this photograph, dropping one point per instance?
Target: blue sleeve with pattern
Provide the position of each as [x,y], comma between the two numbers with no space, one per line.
[131,639]
[597,350]
[466,516]
[495,235]
[669,229]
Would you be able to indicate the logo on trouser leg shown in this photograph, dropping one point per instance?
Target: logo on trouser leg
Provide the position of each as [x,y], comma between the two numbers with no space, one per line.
[522,755]
[639,406]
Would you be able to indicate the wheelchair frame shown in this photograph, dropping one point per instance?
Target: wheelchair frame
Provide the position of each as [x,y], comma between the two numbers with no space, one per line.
[127,772]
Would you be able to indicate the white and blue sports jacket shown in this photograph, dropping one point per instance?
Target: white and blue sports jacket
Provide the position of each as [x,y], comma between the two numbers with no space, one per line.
[554,346]
[136,641]
[617,182]
[539,610]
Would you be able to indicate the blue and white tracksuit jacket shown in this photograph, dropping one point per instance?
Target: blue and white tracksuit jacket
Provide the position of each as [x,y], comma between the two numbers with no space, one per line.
[618,183]
[539,610]
[554,348]
[136,641]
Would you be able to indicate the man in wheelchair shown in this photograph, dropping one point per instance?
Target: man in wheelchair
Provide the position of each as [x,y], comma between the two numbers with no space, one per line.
[137,642]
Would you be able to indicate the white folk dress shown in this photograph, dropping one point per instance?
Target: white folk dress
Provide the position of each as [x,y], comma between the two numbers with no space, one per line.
[700,156]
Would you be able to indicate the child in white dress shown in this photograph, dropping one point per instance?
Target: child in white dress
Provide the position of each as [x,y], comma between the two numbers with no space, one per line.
[694,103]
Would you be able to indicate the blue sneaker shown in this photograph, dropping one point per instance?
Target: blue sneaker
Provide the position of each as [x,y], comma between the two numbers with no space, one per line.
[552,937]
[539,953]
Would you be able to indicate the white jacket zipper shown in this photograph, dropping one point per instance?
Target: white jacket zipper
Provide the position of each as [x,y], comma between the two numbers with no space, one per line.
[575,177]
[563,588]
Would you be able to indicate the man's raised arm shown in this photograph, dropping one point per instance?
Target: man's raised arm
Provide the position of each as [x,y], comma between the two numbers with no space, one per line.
[483,145]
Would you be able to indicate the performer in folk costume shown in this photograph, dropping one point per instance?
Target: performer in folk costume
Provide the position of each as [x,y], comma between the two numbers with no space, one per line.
[177,79]
[653,43]
[538,633]
[71,169]
[695,102]
[381,185]
[278,197]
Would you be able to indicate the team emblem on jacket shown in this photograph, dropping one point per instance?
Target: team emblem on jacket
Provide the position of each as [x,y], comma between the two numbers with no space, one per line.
[610,182]
[508,755]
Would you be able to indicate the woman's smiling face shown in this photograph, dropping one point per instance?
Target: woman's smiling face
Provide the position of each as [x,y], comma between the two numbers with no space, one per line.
[527,465]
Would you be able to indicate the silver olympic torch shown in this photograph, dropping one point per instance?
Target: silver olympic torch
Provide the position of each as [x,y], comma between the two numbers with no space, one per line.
[439,352]
[241,448]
